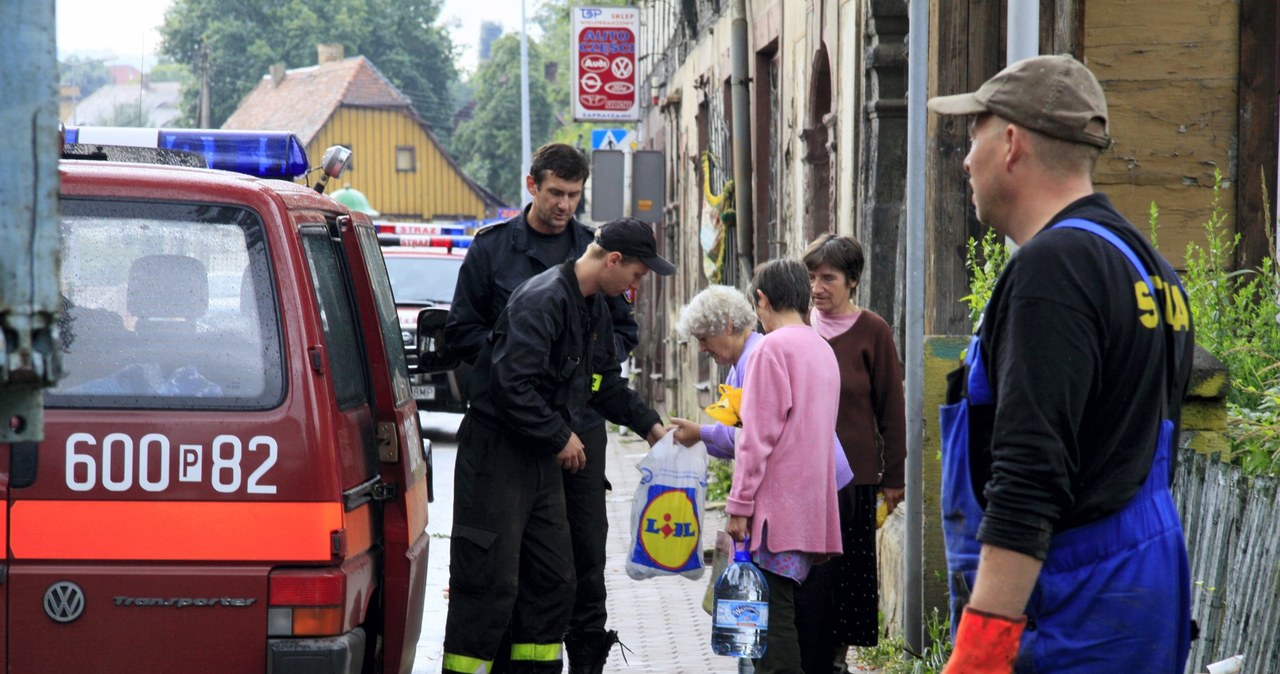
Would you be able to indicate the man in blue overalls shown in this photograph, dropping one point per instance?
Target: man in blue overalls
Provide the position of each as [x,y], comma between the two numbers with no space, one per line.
[1064,548]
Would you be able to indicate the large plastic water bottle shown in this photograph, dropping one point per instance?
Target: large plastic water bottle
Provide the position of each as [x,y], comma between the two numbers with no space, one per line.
[740,624]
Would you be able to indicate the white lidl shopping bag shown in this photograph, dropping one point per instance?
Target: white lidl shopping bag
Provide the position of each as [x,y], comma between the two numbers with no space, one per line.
[666,515]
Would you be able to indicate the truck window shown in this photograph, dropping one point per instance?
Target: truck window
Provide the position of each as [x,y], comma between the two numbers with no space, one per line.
[166,305]
[389,322]
[342,344]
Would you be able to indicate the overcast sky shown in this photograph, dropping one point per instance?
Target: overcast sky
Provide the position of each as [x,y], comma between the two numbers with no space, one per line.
[103,29]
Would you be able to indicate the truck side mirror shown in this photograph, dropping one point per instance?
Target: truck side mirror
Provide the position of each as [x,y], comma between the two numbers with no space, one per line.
[433,353]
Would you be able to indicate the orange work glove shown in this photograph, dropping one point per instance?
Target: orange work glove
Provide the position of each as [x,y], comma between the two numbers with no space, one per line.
[986,643]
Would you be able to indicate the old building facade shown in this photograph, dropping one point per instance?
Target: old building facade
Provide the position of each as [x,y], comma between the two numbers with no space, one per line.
[828,114]
[1191,85]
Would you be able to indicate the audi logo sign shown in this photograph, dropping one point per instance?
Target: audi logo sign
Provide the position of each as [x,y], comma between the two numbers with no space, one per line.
[595,64]
[64,601]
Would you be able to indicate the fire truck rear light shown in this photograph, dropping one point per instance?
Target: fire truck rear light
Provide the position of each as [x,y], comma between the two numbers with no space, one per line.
[265,154]
[317,622]
[279,622]
[307,588]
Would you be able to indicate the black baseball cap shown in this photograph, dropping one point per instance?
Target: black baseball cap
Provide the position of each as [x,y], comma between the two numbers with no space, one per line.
[634,238]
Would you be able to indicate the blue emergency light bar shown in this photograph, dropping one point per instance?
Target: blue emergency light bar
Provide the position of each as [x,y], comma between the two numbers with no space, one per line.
[265,154]
[418,228]
[446,241]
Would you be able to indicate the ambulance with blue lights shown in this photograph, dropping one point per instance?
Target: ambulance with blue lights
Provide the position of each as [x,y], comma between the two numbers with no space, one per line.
[232,477]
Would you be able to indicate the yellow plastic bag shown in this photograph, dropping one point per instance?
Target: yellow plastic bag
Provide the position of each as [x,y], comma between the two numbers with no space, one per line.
[725,410]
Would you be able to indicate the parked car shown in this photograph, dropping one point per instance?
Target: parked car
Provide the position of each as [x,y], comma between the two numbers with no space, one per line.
[424,272]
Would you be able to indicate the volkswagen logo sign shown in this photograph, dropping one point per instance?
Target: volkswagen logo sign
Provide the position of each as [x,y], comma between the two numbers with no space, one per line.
[64,601]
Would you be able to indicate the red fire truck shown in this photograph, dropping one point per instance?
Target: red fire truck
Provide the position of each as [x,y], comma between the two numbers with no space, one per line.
[232,477]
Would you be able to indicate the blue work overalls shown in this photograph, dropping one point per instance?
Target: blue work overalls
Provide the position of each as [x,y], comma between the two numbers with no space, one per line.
[1113,595]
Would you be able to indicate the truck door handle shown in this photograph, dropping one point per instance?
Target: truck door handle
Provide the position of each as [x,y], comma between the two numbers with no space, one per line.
[23,461]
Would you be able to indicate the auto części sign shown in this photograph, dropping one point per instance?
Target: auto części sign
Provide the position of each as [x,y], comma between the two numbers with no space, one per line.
[604,64]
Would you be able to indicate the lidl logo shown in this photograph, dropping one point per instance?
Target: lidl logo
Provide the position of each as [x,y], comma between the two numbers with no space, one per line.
[668,536]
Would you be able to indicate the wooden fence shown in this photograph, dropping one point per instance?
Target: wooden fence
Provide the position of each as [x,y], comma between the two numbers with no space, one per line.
[1232,524]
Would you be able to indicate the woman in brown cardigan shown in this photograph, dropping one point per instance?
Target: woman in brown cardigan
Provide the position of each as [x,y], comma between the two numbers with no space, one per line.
[872,427]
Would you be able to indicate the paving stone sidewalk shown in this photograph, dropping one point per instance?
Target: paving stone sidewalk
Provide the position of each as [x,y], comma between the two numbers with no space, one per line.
[660,619]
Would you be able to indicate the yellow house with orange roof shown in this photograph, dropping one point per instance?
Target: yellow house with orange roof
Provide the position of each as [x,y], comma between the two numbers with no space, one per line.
[396,160]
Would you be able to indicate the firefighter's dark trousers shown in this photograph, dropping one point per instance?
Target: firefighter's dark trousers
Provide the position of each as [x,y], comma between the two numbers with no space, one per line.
[509,566]
[584,493]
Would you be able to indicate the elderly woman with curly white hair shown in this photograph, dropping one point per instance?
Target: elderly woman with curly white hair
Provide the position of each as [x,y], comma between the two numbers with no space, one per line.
[723,321]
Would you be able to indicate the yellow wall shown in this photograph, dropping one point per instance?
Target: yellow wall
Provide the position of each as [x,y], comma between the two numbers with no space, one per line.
[434,191]
[1169,68]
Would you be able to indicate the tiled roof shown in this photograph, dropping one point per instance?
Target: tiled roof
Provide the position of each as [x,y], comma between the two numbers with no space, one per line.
[278,105]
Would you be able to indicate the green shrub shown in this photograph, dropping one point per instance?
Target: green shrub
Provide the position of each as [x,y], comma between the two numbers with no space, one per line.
[719,479]
[1237,318]
[891,656]
[985,260]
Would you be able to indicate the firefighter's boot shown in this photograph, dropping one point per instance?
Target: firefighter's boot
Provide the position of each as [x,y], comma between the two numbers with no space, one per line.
[588,650]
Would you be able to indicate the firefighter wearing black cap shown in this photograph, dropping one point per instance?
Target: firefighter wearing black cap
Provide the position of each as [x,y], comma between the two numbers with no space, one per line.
[550,353]
[502,257]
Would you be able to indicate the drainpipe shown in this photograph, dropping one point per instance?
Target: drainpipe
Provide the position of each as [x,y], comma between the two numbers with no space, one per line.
[913,546]
[742,207]
[1024,30]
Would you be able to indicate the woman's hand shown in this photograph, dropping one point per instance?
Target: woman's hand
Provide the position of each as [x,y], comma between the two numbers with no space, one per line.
[738,527]
[892,497]
[688,433]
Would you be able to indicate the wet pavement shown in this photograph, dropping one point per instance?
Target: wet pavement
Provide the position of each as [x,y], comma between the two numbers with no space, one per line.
[660,620]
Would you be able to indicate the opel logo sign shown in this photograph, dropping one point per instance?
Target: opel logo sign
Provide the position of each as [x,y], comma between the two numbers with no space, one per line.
[64,601]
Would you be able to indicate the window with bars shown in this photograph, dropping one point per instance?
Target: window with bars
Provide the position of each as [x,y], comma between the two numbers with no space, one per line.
[772,198]
[719,140]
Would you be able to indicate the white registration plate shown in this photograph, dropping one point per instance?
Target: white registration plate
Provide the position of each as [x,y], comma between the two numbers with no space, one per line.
[423,392]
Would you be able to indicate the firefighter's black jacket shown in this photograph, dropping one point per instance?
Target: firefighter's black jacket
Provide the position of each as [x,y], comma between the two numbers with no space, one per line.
[500,258]
[550,353]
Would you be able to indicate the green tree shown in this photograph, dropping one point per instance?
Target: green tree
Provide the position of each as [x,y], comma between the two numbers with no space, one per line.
[489,143]
[402,38]
[170,72]
[88,74]
[127,114]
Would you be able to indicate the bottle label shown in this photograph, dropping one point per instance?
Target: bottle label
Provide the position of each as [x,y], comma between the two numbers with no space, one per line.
[738,614]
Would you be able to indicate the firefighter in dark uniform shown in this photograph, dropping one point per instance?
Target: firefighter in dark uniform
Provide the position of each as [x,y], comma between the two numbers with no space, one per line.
[501,258]
[550,353]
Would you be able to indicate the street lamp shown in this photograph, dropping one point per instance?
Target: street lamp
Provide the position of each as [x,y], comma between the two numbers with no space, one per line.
[525,154]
